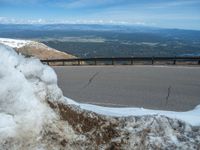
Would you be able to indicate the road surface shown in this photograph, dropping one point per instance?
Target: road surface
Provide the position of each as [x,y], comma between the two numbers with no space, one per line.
[155,87]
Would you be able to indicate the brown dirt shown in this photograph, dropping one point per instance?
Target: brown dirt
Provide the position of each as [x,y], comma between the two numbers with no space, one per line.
[96,128]
[42,51]
[116,133]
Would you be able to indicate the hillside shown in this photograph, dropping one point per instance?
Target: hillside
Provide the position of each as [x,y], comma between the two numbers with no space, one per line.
[35,49]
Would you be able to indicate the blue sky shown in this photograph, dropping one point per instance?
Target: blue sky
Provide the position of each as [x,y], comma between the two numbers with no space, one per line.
[183,14]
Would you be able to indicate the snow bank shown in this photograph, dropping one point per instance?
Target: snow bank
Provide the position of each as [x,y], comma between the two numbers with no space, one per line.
[14,43]
[191,117]
[25,84]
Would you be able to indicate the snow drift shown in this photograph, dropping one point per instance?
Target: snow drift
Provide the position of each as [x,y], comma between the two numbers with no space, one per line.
[35,115]
[26,85]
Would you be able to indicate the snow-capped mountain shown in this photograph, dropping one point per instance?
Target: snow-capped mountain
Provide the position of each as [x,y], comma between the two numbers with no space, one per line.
[35,49]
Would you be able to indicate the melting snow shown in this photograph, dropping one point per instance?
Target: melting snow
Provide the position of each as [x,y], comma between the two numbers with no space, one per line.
[23,90]
[192,117]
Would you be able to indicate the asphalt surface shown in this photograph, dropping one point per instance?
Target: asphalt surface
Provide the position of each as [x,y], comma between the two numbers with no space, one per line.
[155,87]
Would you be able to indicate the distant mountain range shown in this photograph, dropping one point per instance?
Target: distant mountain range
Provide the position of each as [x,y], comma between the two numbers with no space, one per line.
[96,27]
[85,40]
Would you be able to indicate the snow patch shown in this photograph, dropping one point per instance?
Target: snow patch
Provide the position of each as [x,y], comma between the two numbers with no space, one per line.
[14,43]
[191,117]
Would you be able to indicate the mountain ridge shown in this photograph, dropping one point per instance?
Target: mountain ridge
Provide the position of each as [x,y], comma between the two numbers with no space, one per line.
[35,49]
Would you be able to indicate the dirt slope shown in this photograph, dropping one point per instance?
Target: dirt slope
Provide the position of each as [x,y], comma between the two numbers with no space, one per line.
[42,51]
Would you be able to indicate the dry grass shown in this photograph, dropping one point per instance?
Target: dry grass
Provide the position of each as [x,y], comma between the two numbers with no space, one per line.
[42,51]
[98,129]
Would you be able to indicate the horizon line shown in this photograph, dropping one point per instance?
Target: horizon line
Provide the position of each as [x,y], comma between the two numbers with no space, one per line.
[103,24]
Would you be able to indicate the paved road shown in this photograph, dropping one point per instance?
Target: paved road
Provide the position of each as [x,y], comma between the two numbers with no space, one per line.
[169,88]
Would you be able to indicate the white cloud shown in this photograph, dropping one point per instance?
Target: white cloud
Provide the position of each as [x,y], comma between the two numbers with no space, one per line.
[4,20]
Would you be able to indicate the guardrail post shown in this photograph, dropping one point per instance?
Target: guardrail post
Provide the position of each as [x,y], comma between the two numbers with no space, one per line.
[63,63]
[112,61]
[47,63]
[95,61]
[131,61]
[174,62]
[152,60]
[79,62]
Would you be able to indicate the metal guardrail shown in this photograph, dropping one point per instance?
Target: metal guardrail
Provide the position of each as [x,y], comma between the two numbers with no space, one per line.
[114,60]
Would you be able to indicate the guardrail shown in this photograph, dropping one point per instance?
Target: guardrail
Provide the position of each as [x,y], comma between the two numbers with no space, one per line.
[125,60]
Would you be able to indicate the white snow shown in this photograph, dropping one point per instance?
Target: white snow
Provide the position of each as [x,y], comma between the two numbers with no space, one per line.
[25,84]
[14,43]
[192,117]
